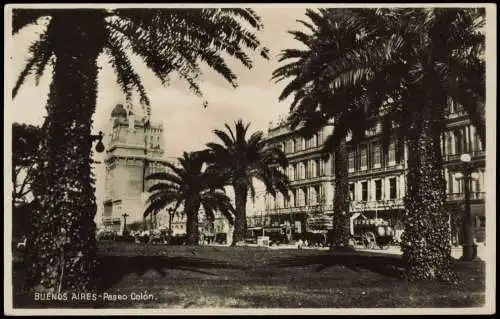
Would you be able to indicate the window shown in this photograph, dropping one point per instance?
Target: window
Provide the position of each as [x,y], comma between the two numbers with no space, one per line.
[321,194]
[317,167]
[392,188]
[459,142]
[378,189]
[322,165]
[364,160]
[364,191]
[306,197]
[298,144]
[376,155]
[320,137]
[295,169]
[352,193]
[351,161]
[294,146]
[392,153]
[448,147]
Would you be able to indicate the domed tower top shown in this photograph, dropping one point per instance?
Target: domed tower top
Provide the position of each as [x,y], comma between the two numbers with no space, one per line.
[119,111]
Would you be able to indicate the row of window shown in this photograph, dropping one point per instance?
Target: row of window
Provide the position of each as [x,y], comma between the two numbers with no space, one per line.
[298,144]
[307,169]
[393,191]
[299,197]
[460,140]
[362,158]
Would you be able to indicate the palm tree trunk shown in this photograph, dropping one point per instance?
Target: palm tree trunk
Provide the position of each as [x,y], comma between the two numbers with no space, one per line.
[426,239]
[192,231]
[240,221]
[341,198]
[62,246]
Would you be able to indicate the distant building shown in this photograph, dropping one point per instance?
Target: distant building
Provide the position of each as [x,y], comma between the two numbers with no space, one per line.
[311,188]
[377,179]
[133,151]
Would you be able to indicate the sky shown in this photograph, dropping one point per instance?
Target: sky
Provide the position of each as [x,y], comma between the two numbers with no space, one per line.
[187,125]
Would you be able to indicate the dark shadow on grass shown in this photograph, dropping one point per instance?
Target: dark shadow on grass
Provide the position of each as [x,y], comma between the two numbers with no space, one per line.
[112,269]
[386,265]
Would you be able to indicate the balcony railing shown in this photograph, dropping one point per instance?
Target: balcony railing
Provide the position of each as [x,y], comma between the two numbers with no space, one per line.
[376,205]
[383,169]
[461,196]
[456,157]
[298,209]
[315,179]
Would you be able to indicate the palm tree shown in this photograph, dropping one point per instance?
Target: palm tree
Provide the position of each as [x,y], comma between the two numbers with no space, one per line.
[170,41]
[240,161]
[407,63]
[189,186]
[315,104]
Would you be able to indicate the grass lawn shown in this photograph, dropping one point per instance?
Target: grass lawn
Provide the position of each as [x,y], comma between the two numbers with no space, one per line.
[244,277]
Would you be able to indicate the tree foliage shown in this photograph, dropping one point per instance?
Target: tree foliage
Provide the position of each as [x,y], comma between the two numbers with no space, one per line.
[25,147]
[190,186]
[61,249]
[398,68]
[240,160]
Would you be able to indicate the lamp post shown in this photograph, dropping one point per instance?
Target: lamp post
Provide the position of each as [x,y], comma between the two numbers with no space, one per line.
[125,215]
[469,248]
[98,137]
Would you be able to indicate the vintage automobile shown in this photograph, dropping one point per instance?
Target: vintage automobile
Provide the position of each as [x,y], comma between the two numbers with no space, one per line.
[370,232]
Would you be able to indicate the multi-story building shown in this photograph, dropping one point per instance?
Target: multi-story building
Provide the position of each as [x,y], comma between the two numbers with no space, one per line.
[134,150]
[311,188]
[377,177]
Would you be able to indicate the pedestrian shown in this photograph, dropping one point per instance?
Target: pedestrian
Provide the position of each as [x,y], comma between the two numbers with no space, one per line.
[300,243]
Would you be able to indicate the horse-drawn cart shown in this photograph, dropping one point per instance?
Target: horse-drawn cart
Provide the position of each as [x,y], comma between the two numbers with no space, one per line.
[370,233]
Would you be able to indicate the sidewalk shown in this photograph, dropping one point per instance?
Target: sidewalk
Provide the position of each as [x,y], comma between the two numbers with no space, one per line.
[456,252]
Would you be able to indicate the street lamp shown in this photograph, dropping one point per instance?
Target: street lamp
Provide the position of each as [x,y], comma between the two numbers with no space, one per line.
[469,248]
[100,146]
[125,215]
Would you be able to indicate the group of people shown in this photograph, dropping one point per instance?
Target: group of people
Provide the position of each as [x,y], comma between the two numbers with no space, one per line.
[302,243]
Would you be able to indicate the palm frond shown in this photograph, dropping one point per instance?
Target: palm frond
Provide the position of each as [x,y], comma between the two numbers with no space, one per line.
[40,53]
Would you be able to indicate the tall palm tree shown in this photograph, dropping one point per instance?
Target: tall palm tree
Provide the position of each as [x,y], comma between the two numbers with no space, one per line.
[241,160]
[170,41]
[408,62]
[191,187]
[315,104]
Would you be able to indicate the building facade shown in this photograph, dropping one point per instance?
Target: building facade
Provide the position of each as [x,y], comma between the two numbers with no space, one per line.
[377,177]
[134,150]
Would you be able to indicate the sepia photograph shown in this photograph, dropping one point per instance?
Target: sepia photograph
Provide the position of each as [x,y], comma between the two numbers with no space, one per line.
[249,159]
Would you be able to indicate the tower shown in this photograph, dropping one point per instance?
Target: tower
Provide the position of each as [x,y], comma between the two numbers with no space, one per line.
[134,150]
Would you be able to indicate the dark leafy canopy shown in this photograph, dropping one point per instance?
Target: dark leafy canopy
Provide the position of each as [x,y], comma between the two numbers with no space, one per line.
[188,182]
[240,159]
[383,53]
[25,146]
[168,40]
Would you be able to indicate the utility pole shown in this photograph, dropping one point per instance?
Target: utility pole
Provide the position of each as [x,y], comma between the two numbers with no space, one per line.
[145,162]
[469,248]
[125,215]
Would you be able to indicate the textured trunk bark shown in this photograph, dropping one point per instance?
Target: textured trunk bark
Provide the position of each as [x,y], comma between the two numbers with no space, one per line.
[192,231]
[62,246]
[240,221]
[426,239]
[341,198]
